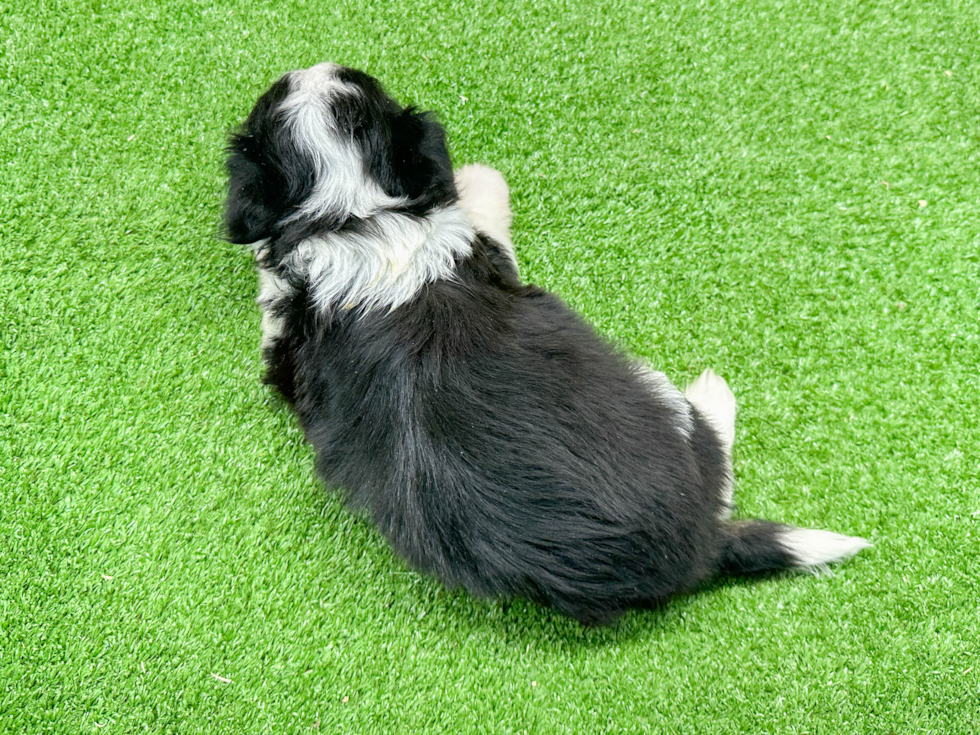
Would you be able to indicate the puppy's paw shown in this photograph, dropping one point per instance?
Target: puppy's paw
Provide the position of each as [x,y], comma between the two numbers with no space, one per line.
[711,395]
[484,196]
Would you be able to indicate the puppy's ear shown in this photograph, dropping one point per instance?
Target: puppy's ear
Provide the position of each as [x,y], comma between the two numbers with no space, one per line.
[259,186]
[248,214]
[420,165]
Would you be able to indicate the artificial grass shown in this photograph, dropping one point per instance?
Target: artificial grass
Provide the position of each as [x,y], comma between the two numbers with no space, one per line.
[785,192]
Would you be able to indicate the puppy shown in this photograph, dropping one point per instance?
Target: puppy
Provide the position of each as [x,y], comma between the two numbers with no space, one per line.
[496,440]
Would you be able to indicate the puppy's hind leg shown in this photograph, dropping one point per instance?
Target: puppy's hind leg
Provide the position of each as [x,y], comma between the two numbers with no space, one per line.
[659,384]
[714,400]
[484,196]
[752,546]
[711,395]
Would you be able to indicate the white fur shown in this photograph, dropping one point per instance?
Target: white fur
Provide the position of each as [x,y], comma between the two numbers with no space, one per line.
[714,400]
[272,290]
[813,549]
[484,196]
[385,264]
[342,187]
[711,395]
[386,261]
[659,384]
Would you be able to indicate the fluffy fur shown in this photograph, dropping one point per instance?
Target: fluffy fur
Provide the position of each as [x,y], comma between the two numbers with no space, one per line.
[496,440]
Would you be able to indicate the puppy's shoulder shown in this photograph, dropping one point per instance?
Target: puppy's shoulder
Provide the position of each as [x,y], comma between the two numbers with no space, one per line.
[489,263]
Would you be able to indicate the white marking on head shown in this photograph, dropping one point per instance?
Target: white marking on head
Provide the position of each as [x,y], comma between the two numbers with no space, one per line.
[343,187]
[384,265]
[813,549]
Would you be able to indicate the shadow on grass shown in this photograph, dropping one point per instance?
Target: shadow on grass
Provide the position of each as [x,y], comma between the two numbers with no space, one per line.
[403,594]
[519,622]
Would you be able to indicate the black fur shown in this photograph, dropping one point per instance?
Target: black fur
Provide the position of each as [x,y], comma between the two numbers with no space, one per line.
[495,439]
[405,150]
[269,176]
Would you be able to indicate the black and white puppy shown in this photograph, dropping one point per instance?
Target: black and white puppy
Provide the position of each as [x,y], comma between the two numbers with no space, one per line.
[495,439]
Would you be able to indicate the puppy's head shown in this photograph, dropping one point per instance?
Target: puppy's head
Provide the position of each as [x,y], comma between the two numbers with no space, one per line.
[326,145]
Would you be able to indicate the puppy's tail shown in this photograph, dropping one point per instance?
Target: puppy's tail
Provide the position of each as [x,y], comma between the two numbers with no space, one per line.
[752,547]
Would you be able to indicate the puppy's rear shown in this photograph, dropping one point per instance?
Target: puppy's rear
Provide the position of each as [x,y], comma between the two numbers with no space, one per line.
[495,439]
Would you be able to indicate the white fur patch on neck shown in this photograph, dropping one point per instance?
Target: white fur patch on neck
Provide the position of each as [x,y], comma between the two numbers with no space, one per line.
[385,264]
[342,187]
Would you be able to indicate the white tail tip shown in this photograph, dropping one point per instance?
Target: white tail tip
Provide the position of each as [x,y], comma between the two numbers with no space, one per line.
[813,549]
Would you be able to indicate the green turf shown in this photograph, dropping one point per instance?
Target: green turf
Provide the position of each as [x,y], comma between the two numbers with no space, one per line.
[785,192]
